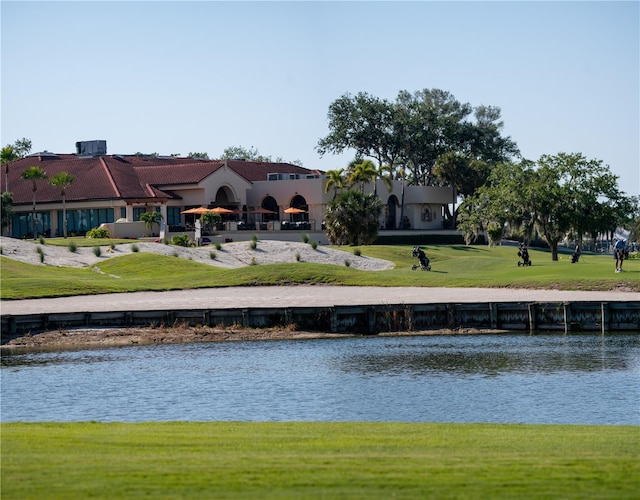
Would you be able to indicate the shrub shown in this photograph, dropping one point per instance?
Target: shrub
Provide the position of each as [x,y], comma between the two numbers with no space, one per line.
[98,232]
[112,246]
[314,244]
[41,253]
[305,238]
[1,251]
[254,262]
[494,232]
[212,255]
[218,245]
[41,240]
[298,256]
[135,248]
[181,240]
[253,243]
[97,251]
[357,252]
[347,262]
[72,246]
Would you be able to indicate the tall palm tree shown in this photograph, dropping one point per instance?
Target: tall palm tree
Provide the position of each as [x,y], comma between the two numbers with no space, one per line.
[334,180]
[7,155]
[34,174]
[63,180]
[362,172]
[384,173]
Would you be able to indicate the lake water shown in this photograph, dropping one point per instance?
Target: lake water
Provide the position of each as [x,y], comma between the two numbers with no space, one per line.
[538,379]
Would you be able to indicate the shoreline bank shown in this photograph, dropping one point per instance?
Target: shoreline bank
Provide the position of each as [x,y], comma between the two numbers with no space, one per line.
[121,337]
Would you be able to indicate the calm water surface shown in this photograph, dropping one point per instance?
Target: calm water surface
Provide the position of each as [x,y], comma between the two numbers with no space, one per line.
[581,379]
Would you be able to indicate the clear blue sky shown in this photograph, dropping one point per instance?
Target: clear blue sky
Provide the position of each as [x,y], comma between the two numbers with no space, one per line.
[177,77]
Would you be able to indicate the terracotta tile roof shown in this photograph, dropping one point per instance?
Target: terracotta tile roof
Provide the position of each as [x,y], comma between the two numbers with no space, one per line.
[91,179]
[257,171]
[126,177]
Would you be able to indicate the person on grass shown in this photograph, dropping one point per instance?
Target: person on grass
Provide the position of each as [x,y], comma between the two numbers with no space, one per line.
[618,254]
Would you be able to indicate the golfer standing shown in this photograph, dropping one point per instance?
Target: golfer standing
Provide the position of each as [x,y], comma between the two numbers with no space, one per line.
[618,253]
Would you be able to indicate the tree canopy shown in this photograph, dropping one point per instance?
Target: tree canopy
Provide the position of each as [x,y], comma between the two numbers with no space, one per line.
[566,195]
[416,131]
[252,154]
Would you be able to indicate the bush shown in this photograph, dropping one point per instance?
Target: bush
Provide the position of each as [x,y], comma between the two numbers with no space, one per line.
[305,238]
[314,244]
[357,252]
[41,240]
[494,232]
[72,246]
[181,240]
[218,245]
[135,248]
[212,255]
[97,251]
[347,262]
[41,253]
[298,256]
[98,232]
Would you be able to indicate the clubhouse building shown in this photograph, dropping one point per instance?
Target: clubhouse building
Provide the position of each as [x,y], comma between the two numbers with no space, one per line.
[115,190]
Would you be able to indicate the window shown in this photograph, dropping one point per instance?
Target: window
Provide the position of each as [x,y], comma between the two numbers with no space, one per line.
[173,216]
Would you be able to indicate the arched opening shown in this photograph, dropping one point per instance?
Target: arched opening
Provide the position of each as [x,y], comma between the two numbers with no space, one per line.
[392,205]
[298,213]
[225,198]
[270,203]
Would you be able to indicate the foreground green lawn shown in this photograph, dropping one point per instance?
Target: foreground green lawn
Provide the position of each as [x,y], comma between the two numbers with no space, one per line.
[318,460]
[452,266]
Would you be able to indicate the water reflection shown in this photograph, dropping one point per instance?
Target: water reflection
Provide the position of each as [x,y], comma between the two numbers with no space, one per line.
[493,378]
[487,357]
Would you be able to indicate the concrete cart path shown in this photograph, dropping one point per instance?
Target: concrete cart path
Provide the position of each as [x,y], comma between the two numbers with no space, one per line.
[298,296]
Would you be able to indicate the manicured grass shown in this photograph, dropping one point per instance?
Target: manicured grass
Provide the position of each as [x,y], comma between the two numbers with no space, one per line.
[452,266]
[318,460]
[81,241]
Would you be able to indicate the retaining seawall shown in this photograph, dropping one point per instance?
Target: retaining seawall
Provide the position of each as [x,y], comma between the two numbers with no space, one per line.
[563,317]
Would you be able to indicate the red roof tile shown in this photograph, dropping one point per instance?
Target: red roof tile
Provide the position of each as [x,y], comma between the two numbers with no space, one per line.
[126,177]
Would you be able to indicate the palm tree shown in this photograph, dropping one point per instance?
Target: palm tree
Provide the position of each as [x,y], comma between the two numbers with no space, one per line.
[384,173]
[7,155]
[151,218]
[363,172]
[63,180]
[334,180]
[34,174]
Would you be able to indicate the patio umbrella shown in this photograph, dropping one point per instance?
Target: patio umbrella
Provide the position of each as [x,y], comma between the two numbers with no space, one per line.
[220,210]
[197,210]
[262,211]
[294,210]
